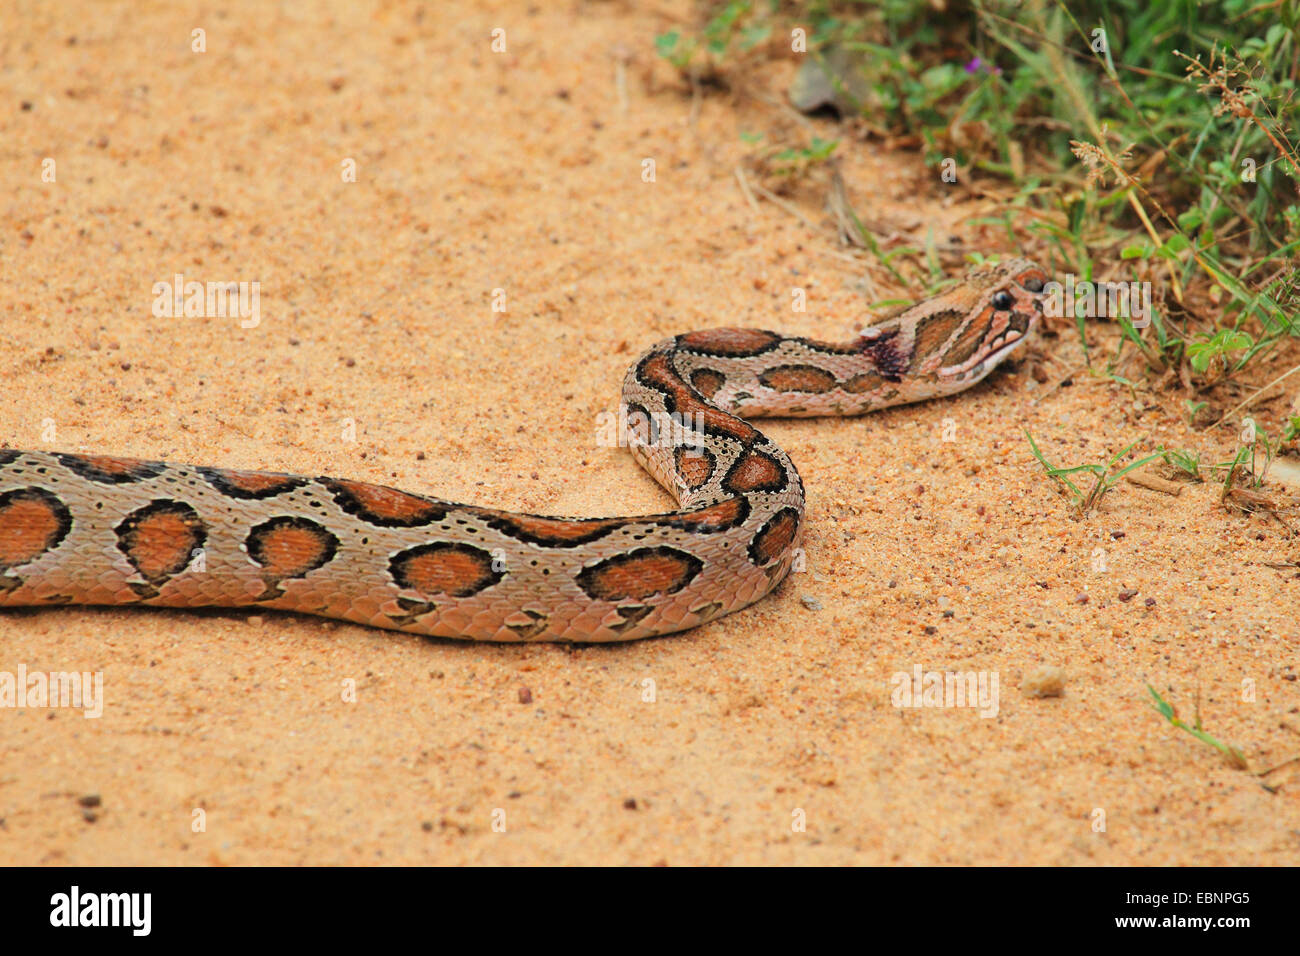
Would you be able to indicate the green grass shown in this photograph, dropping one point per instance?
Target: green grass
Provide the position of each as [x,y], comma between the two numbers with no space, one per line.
[1160,149]
[1170,713]
[1104,477]
[1186,461]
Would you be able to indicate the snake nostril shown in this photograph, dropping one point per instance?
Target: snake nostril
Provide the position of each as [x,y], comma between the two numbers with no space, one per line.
[1034,285]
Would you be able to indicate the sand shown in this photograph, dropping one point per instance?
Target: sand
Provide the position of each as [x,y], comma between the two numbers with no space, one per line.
[769,736]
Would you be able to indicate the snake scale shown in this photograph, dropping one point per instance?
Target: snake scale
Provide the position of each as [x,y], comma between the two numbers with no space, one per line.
[91,529]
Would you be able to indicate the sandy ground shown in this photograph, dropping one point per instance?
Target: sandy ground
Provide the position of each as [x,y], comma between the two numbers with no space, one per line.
[521,171]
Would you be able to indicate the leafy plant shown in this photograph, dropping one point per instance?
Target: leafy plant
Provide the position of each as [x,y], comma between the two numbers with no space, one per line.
[1103,477]
[793,162]
[1170,713]
[1185,460]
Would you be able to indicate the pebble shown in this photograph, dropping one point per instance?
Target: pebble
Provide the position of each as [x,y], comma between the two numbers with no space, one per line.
[811,603]
[1044,681]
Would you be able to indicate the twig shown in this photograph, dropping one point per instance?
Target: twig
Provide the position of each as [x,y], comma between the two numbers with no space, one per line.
[1067,378]
[1155,484]
[782,204]
[744,188]
[1252,398]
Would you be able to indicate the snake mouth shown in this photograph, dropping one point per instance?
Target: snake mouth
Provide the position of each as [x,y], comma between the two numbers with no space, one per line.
[1002,351]
[994,358]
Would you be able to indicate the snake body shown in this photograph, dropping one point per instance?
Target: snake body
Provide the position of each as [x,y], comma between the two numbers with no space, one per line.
[91,529]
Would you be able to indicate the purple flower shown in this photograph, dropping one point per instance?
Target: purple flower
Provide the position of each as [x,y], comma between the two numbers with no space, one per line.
[976,65]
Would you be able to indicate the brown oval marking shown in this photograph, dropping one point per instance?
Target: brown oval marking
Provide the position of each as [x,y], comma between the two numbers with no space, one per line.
[656,371]
[250,484]
[8,455]
[444,567]
[775,537]
[160,538]
[550,532]
[694,465]
[639,425]
[108,470]
[640,574]
[289,547]
[832,348]
[32,521]
[798,378]
[755,471]
[716,517]
[863,383]
[730,341]
[384,506]
[971,339]
[707,381]
[934,330]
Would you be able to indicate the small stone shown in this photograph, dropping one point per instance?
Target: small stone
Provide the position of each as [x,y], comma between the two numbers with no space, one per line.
[629,803]
[1128,594]
[525,695]
[811,603]
[1045,681]
[90,800]
[931,629]
[1150,602]
[1081,598]
[427,826]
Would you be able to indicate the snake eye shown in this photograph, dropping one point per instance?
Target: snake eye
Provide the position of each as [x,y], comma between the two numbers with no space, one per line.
[1002,300]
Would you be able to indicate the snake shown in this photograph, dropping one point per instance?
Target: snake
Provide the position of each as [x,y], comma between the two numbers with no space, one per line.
[86,529]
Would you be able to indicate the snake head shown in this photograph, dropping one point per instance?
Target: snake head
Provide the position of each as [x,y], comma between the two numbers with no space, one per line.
[961,335]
